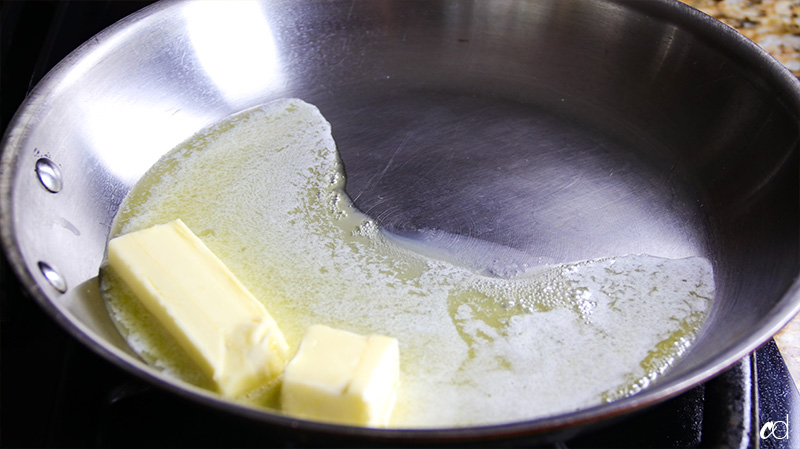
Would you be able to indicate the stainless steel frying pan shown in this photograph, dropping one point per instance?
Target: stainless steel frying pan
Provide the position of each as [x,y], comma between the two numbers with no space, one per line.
[566,129]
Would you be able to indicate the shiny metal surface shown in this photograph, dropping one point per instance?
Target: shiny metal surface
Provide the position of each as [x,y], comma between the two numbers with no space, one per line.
[565,129]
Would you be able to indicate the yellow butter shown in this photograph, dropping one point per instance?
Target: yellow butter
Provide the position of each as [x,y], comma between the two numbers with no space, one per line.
[342,377]
[225,330]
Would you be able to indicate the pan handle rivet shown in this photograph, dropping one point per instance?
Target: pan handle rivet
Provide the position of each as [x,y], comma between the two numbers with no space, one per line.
[49,175]
[53,277]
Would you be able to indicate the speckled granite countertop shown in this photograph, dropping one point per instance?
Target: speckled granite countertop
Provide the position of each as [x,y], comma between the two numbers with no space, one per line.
[775,26]
[772,24]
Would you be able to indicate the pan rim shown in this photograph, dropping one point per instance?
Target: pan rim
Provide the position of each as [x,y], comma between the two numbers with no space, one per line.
[693,20]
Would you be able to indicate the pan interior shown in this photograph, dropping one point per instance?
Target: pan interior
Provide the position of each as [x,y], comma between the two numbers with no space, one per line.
[490,332]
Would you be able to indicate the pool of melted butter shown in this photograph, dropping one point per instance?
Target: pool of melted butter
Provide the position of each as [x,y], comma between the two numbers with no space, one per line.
[481,341]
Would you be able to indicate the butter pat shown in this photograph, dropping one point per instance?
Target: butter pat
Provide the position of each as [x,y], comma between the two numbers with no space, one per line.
[225,330]
[342,377]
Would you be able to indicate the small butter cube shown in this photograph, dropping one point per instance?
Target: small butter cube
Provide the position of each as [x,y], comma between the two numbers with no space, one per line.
[225,330]
[342,377]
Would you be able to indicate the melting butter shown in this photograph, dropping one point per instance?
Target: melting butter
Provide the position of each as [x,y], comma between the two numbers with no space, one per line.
[226,331]
[341,377]
[482,341]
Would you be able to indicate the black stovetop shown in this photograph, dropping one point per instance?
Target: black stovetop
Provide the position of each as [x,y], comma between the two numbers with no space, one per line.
[54,392]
